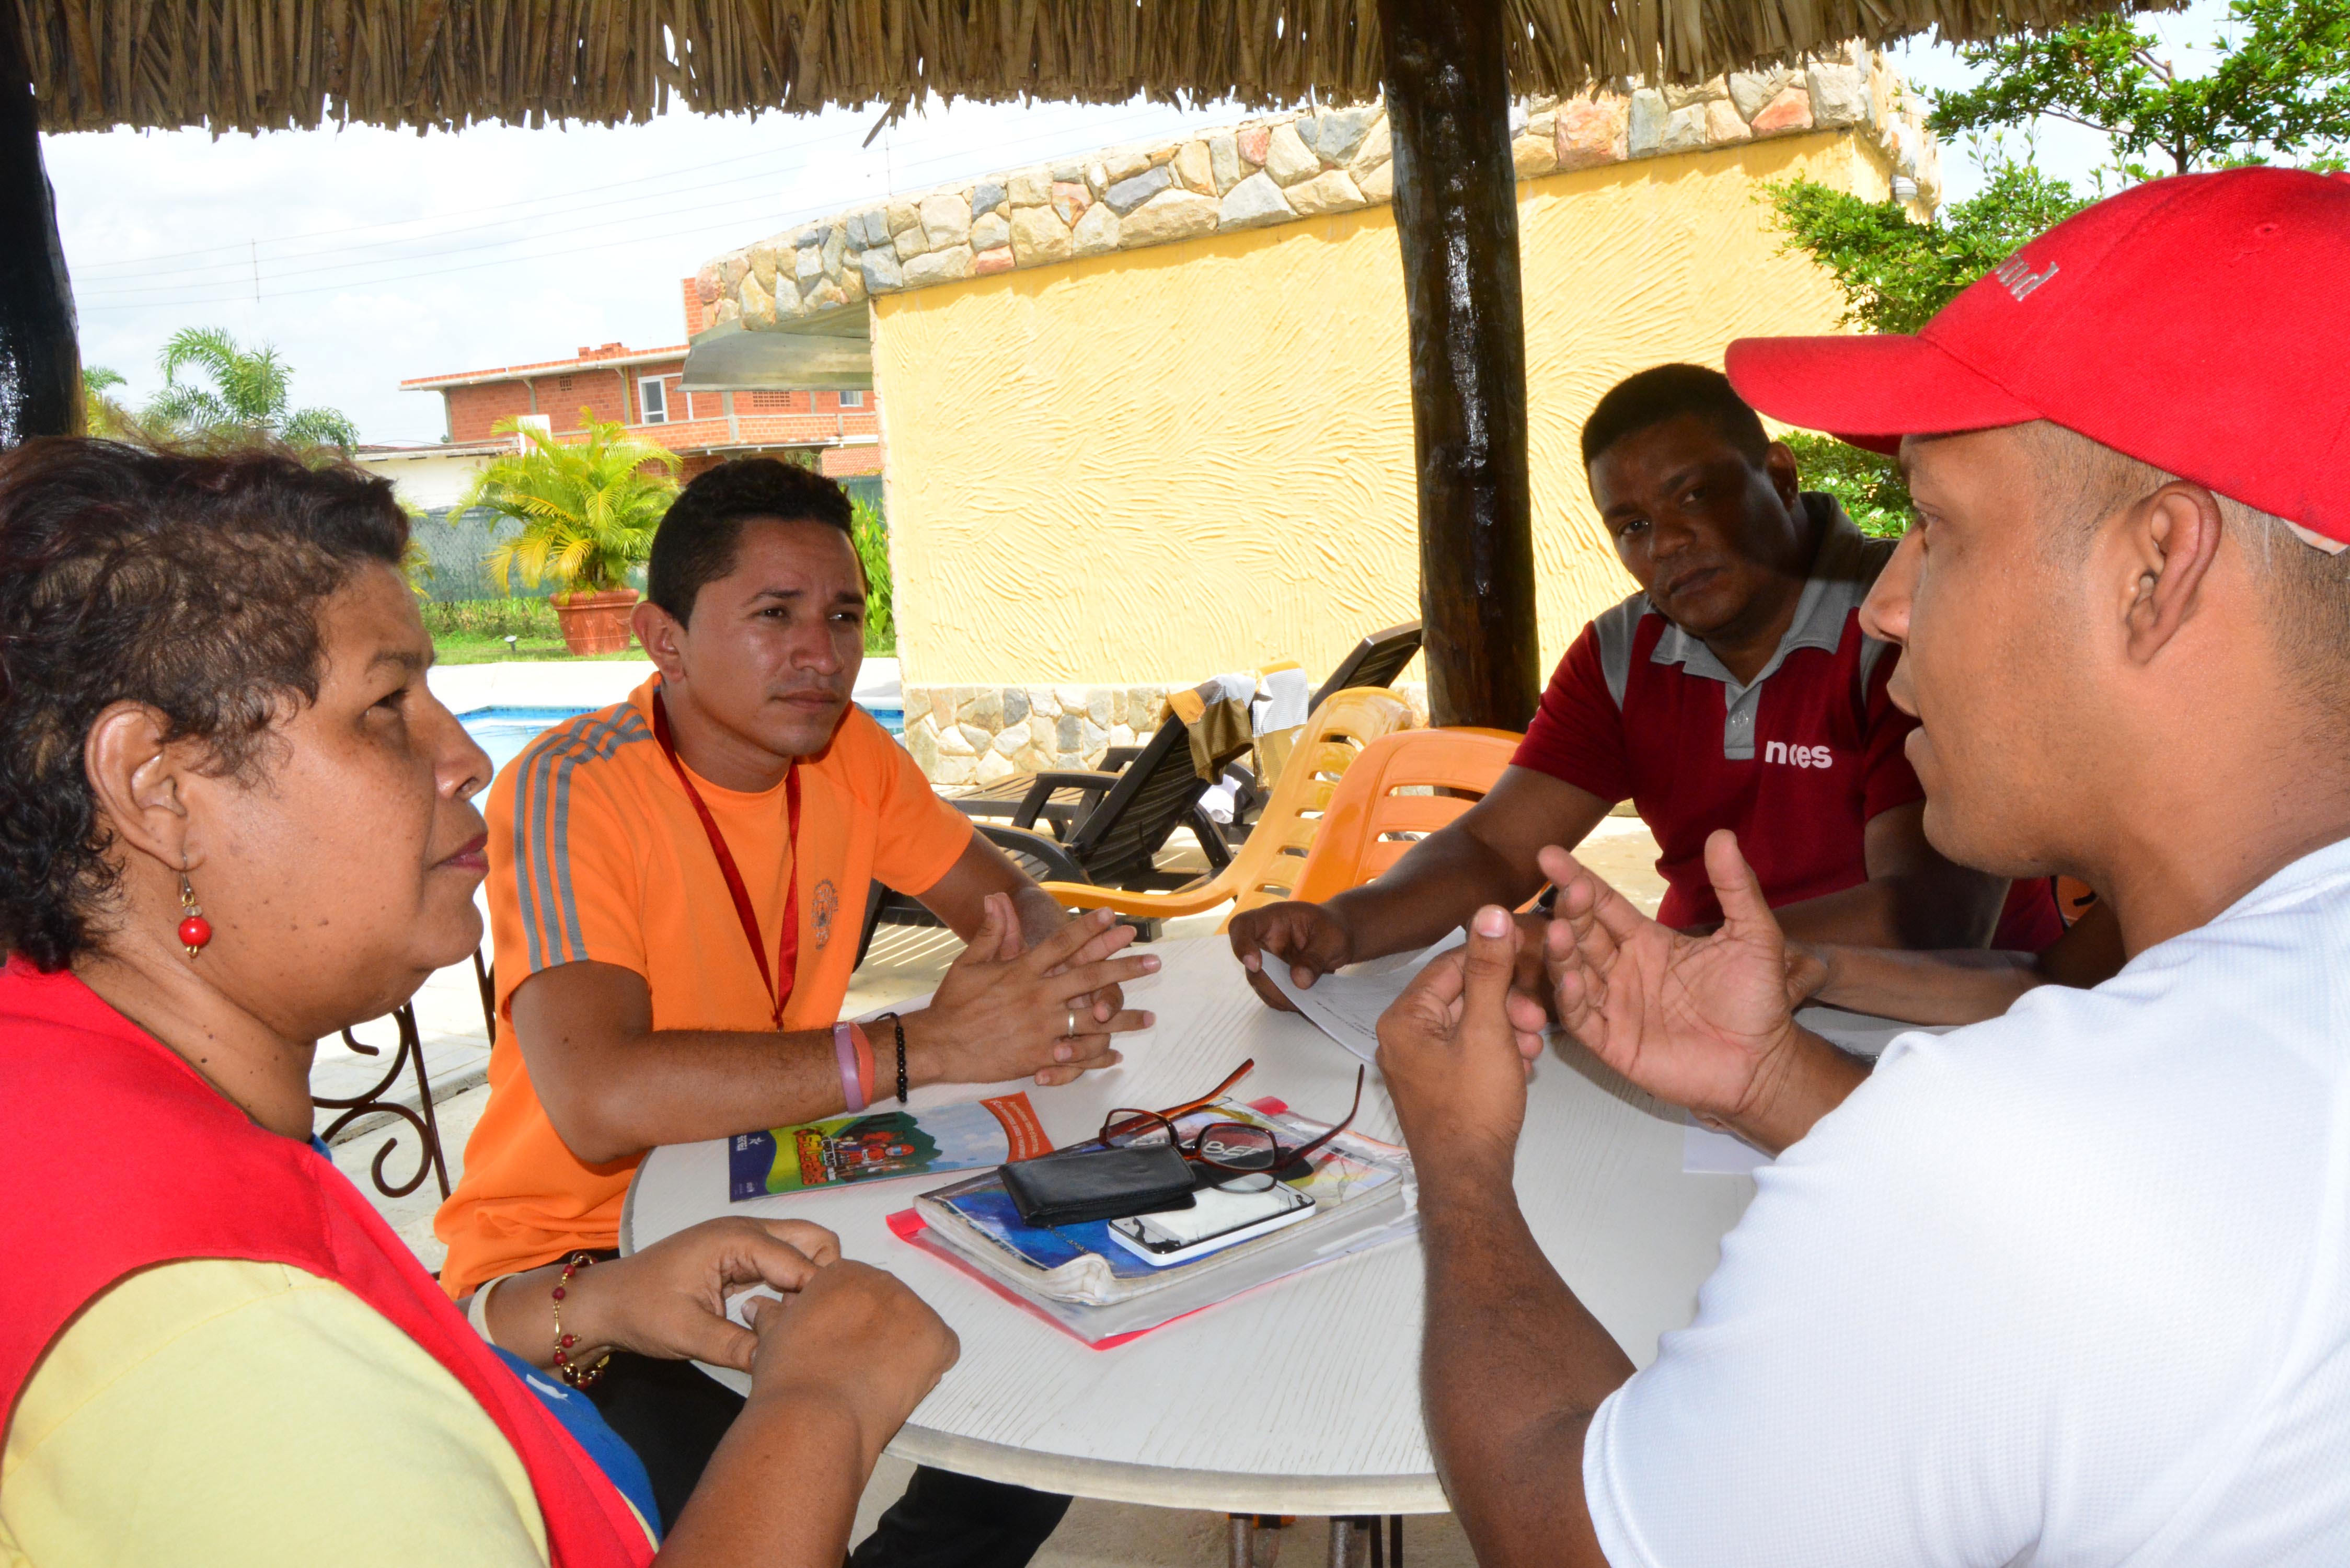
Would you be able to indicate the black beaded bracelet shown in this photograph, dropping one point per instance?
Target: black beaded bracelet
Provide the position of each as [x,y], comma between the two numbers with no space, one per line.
[897,1024]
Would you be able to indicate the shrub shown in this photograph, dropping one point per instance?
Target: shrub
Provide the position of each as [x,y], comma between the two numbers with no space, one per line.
[1867,483]
[532,619]
[870,534]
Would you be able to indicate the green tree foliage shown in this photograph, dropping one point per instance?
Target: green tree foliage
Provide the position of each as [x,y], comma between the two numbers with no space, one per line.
[870,534]
[1868,483]
[2278,92]
[1895,271]
[587,512]
[249,394]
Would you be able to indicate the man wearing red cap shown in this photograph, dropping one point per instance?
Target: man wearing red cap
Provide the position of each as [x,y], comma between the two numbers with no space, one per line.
[2072,1285]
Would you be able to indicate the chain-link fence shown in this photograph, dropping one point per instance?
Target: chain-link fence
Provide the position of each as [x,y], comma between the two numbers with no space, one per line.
[457,547]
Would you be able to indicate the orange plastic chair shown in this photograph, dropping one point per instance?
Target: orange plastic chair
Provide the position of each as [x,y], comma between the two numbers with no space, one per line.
[1268,864]
[1380,811]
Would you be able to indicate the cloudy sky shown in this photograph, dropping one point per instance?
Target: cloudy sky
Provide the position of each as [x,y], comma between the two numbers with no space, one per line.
[367,256]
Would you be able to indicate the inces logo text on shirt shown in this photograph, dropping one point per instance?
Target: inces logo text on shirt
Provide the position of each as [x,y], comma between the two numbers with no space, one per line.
[1796,756]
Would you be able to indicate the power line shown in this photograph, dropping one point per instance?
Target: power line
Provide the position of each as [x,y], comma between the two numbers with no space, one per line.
[453,249]
[450,234]
[111,301]
[459,212]
[514,207]
[404,277]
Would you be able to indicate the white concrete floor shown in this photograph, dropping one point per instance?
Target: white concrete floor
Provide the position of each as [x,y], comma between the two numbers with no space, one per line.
[904,963]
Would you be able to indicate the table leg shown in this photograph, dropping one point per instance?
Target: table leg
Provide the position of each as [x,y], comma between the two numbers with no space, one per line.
[1256,1539]
[1353,1542]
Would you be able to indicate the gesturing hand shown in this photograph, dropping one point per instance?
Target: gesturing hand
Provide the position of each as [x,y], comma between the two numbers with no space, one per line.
[1308,938]
[1702,1022]
[1455,1065]
[1005,1010]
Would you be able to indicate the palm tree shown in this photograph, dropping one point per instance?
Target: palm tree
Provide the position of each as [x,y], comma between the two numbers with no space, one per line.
[587,512]
[250,392]
[104,415]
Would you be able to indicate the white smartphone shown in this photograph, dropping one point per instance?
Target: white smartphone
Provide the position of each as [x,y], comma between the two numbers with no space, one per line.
[1217,1219]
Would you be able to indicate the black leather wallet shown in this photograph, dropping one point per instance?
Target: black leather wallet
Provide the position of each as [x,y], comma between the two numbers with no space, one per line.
[1072,1185]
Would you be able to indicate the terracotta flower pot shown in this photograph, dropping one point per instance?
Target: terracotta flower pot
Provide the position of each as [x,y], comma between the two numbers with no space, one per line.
[595,623]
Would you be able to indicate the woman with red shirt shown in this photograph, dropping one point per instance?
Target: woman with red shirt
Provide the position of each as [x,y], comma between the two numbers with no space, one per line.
[233,819]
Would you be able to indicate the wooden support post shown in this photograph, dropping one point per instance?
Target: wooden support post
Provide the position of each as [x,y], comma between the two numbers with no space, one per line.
[40,357]
[1448,97]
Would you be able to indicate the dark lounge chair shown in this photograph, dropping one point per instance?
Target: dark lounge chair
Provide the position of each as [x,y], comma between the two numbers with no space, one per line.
[1375,661]
[1110,833]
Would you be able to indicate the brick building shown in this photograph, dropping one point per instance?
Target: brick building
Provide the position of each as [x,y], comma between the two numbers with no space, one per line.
[640,388]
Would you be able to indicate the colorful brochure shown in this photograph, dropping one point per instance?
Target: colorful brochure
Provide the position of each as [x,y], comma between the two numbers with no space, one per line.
[877,1146]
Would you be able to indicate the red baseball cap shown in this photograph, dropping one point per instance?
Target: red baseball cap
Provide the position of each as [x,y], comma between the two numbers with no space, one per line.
[2200,323]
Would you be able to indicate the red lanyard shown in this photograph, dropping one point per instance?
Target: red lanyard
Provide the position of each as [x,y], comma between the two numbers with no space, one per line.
[787,945]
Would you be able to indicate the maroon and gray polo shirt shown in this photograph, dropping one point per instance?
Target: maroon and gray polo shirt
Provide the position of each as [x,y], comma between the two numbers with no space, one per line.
[1797,761]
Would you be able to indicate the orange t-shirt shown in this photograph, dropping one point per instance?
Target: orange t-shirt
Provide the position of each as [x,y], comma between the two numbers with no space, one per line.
[596,853]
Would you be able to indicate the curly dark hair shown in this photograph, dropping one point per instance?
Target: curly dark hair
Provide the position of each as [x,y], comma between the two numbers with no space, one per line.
[695,543]
[188,581]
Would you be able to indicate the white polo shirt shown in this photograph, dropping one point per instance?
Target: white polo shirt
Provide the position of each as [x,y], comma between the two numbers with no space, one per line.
[2069,1287]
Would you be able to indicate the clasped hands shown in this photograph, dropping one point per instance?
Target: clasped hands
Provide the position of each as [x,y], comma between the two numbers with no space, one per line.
[840,1330]
[1706,1023]
[1006,1010]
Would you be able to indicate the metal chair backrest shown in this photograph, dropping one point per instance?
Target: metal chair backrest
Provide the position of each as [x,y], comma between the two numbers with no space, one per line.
[1376,660]
[378,1101]
[1119,838]
[1269,865]
[1401,789]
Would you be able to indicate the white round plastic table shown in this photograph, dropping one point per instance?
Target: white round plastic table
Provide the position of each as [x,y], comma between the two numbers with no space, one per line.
[1301,1396]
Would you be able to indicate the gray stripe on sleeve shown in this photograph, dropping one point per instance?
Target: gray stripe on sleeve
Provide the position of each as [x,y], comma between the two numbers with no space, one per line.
[548,889]
[1614,629]
[530,791]
[599,742]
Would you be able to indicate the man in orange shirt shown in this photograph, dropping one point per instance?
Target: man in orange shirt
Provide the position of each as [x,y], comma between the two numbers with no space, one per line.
[675,886]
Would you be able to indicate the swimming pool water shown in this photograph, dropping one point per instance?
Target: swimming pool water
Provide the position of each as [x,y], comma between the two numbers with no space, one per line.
[503,731]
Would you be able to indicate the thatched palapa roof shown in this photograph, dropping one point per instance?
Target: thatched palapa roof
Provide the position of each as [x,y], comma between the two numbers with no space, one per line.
[256,65]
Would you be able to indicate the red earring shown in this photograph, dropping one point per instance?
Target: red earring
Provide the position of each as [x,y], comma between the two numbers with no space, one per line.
[195,929]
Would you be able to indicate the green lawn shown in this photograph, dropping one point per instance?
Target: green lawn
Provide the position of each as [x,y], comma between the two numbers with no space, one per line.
[474,631]
[459,649]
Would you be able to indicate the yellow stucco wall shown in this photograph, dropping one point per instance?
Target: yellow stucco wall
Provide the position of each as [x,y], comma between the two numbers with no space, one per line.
[1156,465]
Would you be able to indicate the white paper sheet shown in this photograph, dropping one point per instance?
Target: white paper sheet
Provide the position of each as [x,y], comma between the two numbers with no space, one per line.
[1347,1005]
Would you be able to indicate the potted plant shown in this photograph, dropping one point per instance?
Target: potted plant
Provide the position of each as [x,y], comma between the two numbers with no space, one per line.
[588,513]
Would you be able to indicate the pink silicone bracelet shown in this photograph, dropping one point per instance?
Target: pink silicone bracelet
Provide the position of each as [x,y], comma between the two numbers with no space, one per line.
[844,1052]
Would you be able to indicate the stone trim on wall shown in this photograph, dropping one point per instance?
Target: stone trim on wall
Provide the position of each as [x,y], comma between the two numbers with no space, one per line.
[1276,170]
[978,734]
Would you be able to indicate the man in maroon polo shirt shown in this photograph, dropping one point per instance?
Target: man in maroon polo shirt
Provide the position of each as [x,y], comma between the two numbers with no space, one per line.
[1736,689]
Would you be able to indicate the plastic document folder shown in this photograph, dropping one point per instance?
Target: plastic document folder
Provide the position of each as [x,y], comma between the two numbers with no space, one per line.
[1080,1280]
